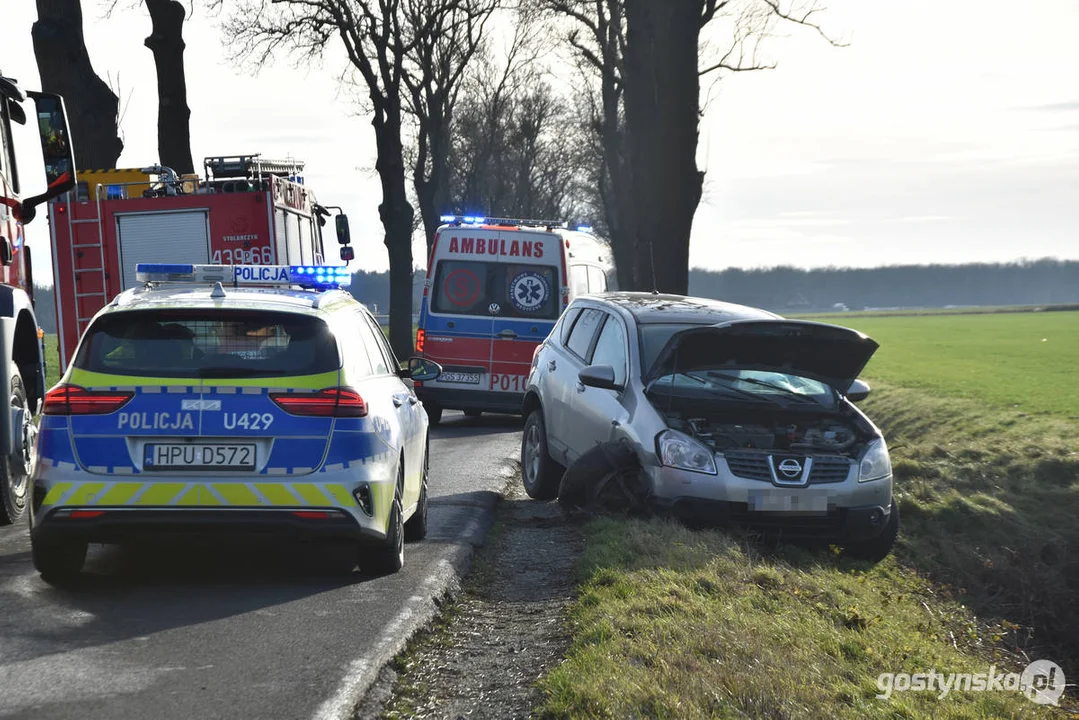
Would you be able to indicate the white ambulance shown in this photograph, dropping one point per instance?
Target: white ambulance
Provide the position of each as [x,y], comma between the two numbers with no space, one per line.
[494,289]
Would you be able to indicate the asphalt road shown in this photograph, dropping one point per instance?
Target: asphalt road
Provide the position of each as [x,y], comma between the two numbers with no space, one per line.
[265,631]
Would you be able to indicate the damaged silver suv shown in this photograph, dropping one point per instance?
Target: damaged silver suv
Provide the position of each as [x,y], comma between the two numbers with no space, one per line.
[735,415]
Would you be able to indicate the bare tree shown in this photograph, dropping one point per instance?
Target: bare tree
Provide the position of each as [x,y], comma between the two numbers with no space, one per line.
[518,149]
[444,38]
[649,57]
[65,68]
[166,42]
[376,42]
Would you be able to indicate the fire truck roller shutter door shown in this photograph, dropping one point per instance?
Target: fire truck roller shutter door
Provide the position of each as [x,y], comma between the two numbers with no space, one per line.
[162,237]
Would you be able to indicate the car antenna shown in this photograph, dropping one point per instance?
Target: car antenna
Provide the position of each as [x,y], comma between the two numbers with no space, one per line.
[652,257]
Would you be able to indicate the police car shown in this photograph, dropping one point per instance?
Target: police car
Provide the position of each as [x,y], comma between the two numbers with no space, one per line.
[205,401]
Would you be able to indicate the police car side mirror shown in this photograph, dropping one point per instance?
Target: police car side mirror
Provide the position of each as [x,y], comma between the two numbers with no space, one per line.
[422,369]
[341,223]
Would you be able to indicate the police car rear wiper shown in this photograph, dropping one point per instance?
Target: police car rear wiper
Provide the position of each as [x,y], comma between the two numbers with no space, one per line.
[225,371]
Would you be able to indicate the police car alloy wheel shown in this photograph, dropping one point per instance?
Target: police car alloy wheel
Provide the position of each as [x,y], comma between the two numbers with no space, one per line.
[390,557]
[416,526]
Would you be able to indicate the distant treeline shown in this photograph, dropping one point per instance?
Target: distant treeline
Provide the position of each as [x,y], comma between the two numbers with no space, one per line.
[785,288]
[1040,282]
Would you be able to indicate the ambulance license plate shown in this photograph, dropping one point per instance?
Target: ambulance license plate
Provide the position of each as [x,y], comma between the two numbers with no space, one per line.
[199,456]
[460,377]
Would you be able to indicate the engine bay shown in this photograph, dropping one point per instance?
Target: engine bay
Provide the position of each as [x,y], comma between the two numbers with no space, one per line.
[804,434]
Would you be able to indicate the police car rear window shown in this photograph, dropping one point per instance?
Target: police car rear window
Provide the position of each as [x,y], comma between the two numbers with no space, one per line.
[208,343]
[496,289]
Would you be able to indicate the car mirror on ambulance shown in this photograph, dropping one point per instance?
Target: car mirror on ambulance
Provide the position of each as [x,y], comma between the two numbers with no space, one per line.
[348,253]
[859,390]
[423,369]
[599,376]
[341,223]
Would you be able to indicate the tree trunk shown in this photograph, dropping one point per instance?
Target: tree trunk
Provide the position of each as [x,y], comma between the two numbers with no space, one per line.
[65,68]
[662,111]
[166,42]
[396,214]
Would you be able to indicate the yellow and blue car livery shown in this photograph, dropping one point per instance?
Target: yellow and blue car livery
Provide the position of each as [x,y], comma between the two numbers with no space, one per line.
[231,448]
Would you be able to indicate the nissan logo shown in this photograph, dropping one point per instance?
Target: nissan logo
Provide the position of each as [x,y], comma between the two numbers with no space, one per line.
[790,467]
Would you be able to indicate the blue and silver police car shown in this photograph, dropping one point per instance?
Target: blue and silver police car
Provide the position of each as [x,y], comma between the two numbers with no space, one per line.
[234,399]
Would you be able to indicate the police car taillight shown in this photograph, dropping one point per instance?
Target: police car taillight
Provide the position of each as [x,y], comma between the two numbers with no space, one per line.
[331,402]
[75,400]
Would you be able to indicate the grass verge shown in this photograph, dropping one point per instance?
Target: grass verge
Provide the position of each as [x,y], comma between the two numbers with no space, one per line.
[675,623]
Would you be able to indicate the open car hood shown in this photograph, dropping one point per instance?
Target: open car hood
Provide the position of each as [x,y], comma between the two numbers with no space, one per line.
[828,353]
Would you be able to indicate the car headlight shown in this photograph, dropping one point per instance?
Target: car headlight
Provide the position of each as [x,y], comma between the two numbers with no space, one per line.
[681,451]
[876,463]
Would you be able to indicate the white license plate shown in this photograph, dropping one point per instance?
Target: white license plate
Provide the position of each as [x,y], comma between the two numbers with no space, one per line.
[199,456]
[460,377]
[787,501]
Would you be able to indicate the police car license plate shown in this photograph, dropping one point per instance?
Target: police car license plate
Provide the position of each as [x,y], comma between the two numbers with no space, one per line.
[199,456]
[460,377]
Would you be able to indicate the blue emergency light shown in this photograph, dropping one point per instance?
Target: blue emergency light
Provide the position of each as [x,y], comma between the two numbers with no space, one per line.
[463,219]
[584,228]
[312,276]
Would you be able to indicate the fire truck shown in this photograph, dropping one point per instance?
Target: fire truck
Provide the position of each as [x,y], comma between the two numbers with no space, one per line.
[244,209]
[22,377]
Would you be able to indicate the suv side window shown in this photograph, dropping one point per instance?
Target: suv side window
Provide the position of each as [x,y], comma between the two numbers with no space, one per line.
[567,324]
[611,348]
[382,342]
[583,332]
[379,364]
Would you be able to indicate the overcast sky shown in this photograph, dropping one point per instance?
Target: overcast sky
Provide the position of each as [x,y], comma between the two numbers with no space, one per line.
[947,133]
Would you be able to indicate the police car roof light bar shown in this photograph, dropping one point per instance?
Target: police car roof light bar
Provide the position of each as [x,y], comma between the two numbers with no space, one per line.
[310,276]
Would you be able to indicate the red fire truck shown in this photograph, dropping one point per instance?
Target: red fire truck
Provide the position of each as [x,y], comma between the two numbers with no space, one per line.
[245,209]
[22,376]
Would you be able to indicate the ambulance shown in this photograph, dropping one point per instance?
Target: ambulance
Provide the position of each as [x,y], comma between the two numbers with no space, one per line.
[494,289]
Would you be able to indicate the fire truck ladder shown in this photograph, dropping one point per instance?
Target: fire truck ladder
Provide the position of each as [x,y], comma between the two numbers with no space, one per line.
[92,256]
[250,167]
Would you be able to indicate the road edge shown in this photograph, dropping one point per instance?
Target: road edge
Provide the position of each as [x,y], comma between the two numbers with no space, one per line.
[442,583]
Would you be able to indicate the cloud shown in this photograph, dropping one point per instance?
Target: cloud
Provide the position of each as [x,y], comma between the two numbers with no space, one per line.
[919,219]
[1073,105]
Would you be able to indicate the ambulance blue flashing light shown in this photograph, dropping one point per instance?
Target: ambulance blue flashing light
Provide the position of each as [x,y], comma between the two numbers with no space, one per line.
[311,276]
[463,219]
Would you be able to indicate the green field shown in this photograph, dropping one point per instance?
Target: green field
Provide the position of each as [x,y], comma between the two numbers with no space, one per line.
[980,412]
[1014,360]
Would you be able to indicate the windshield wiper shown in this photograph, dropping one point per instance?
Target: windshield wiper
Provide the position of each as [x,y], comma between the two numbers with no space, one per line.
[753,381]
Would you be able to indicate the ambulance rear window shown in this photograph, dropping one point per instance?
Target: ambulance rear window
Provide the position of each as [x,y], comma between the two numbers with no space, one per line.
[494,289]
[208,343]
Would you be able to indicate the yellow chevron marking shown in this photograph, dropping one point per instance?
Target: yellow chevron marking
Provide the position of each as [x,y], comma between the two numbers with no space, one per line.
[236,494]
[311,494]
[120,493]
[191,497]
[276,494]
[56,492]
[340,495]
[81,496]
[160,493]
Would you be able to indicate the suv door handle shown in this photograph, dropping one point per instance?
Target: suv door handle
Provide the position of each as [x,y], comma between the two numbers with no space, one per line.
[580,386]
[412,399]
[551,365]
[398,400]
[508,334]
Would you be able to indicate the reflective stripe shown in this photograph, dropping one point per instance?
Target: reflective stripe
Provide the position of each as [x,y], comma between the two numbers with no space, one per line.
[312,494]
[340,495]
[191,497]
[120,493]
[82,496]
[236,494]
[56,492]
[277,494]
[160,493]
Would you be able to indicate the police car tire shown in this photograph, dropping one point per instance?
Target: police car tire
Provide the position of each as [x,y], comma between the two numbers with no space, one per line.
[416,526]
[14,500]
[388,558]
[58,562]
[542,483]
[879,547]
[434,413]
